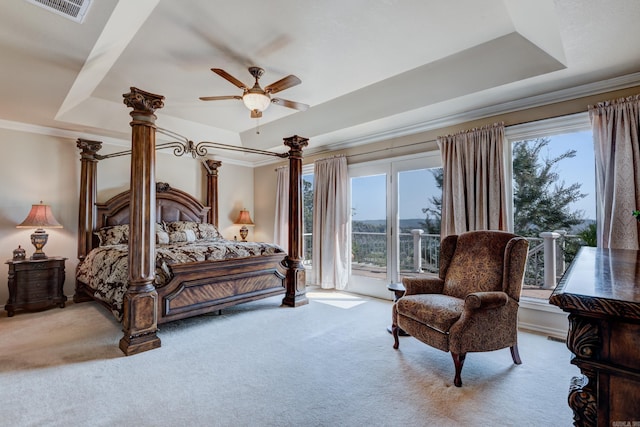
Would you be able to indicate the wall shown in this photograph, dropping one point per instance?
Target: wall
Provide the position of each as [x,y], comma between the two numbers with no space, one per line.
[36,167]
[32,168]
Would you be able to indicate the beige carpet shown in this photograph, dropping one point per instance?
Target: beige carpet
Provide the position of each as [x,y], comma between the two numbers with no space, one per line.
[330,363]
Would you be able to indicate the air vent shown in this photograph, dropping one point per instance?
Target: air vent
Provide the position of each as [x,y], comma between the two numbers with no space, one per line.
[75,10]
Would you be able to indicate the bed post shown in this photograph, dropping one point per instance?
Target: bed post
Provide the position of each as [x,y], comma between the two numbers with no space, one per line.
[140,305]
[211,166]
[295,293]
[88,195]
[87,203]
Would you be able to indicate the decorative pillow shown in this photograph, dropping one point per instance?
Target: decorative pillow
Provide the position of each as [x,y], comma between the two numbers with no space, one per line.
[201,230]
[177,237]
[113,235]
[162,237]
[209,231]
[182,236]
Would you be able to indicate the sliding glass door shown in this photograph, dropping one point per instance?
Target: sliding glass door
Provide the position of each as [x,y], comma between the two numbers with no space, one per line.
[387,202]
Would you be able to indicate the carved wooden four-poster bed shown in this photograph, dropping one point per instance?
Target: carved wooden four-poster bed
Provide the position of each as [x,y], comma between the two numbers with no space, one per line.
[201,285]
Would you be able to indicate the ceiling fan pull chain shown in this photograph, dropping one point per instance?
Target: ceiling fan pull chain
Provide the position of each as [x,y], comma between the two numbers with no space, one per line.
[258,126]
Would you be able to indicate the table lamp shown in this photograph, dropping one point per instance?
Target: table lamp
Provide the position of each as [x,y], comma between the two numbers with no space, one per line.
[39,217]
[244,219]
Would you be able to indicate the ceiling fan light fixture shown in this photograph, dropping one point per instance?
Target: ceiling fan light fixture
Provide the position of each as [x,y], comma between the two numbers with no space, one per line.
[256,101]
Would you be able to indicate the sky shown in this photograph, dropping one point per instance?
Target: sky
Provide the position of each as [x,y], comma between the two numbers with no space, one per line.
[417,187]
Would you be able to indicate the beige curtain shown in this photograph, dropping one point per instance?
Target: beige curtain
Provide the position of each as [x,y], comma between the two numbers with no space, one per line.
[331,247]
[616,129]
[281,225]
[474,190]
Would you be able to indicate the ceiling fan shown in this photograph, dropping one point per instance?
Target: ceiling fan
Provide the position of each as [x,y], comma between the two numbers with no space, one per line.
[255,98]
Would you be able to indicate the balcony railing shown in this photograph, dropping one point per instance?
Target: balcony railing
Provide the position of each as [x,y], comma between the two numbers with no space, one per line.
[549,255]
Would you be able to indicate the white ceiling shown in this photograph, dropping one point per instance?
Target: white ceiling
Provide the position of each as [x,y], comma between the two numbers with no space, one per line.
[369,69]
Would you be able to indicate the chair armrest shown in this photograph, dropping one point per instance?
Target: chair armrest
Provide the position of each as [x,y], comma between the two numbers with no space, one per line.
[485,300]
[423,285]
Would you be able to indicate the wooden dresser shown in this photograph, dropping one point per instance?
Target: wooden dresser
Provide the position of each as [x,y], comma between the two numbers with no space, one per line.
[601,293]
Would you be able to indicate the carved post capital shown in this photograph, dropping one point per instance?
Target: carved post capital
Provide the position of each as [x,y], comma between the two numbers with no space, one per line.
[89,148]
[296,144]
[212,166]
[143,102]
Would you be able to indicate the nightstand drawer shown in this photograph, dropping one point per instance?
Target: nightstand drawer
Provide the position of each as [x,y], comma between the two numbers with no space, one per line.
[34,291]
[37,275]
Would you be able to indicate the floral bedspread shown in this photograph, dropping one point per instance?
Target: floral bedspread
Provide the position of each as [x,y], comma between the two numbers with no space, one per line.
[105,269]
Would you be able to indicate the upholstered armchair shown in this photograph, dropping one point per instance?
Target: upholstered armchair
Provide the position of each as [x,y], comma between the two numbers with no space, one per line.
[473,303]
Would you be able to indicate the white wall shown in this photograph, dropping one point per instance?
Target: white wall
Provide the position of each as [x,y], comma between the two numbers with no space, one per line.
[36,167]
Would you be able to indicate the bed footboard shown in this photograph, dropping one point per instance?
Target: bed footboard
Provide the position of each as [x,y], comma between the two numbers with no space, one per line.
[208,286]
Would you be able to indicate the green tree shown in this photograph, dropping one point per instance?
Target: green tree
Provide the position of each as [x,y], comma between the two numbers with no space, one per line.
[433,214]
[307,205]
[542,202]
[588,235]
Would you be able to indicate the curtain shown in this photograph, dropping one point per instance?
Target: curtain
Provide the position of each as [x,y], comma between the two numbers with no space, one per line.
[331,244]
[474,189]
[281,225]
[616,130]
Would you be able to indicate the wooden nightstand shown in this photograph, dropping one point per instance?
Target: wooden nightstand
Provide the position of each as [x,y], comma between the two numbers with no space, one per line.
[35,284]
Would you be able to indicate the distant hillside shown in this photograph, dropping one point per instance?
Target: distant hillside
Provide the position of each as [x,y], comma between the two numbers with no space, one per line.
[584,224]
[405,224]
[413,223]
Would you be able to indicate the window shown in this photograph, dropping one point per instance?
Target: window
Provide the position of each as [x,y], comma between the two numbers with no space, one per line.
[553,191]
[307,217]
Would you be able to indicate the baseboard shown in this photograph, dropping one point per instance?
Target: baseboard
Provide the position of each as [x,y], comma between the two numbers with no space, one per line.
[556,333]
[541,317]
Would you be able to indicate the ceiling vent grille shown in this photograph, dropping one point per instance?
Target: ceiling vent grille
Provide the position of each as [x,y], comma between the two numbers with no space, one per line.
[76,10]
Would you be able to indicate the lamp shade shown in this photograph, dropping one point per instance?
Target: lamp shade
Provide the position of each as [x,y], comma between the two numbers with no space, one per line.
[244,218]
[40,216]
[256,101]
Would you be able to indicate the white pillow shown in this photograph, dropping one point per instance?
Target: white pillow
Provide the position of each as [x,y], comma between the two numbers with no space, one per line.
[191,235]
[162,237]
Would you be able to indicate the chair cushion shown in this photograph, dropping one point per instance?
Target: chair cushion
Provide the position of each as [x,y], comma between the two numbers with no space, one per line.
[436,311]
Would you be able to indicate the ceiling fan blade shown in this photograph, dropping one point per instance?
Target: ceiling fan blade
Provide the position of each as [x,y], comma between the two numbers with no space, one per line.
[219,98]
[256,114]
[283,84]
[222,73]
[290,104]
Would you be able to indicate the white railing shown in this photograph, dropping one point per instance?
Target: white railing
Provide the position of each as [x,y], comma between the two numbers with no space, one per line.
[545,265]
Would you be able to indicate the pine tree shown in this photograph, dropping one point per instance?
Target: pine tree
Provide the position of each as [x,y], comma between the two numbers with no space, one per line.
[433,215]
[542,202]
[307,205]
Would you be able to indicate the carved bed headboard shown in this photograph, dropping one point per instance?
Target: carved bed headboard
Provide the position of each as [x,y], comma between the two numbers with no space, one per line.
[171,205]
